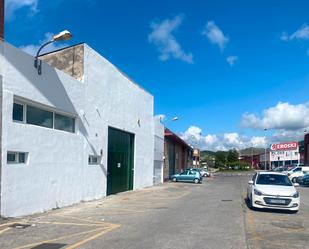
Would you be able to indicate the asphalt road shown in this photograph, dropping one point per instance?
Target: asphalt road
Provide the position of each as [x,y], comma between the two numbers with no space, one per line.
[174,215]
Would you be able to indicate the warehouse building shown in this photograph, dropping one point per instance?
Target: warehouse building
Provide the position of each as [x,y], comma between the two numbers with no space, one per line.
[79,131]
[178,155]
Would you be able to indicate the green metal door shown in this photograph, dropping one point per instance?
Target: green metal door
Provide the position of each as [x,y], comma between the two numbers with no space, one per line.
[119,161]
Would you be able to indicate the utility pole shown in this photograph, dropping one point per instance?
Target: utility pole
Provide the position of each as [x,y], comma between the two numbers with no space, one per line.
[1,20]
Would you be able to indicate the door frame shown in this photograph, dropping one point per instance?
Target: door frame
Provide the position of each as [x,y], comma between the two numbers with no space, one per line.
[132,169]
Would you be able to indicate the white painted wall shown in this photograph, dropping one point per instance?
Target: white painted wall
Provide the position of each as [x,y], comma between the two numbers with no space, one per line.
[58,173]
[158,151]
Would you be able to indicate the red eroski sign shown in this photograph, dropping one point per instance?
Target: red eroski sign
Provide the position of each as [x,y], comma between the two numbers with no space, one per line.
[285,146]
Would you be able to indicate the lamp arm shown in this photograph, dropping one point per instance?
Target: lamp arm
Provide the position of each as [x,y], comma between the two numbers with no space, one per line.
[44,45]
[38,53]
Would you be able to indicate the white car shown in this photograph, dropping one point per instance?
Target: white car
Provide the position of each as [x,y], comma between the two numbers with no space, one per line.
[204,172]
[272,190]
[296,172]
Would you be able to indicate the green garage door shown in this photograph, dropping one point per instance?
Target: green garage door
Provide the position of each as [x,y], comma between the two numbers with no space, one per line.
[120,161]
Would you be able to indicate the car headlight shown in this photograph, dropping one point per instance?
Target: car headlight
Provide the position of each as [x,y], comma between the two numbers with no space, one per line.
[296,195]
[257,192]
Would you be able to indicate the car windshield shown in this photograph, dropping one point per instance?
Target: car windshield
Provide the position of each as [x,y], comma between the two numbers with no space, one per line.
[272,179]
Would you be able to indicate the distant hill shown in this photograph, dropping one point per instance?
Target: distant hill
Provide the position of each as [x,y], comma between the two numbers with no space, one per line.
[207,153]
[245,152]
[250,151]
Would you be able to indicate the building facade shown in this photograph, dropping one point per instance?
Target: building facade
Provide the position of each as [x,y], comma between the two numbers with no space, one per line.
[178,155]
[252,160]
[77,132]
[158,152]
[306,149]
[196,157]
[284,154]
[265,160]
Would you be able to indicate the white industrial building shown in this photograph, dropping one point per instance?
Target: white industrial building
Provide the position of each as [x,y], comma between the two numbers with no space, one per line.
[77,132]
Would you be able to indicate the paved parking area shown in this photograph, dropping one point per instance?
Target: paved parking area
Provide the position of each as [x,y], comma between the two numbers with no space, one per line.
[273,229]
[174,215]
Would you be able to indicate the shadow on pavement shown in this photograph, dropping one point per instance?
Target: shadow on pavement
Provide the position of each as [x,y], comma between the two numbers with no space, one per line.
[49,246]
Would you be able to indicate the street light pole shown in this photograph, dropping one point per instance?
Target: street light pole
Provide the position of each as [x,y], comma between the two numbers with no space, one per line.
[62,36]
[265,151]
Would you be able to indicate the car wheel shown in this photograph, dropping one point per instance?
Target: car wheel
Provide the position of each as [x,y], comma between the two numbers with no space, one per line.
[249,201]
[196,180]
[174,179]
[294,179]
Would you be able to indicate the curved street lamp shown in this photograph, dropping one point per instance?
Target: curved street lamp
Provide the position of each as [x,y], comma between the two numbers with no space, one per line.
[62,36]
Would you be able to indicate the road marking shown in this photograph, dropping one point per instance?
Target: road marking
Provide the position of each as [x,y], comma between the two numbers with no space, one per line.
[95,236]
[104,227]
[9,223]
[81,219]
[69,223]
[122,210]
[5,229]
[59,238]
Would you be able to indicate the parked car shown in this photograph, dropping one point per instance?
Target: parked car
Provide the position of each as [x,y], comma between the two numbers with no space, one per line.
[198,170]
[272,190]
[204,172]
[280,169]
[296,172]
[304,180]
[188,176]
[207,173]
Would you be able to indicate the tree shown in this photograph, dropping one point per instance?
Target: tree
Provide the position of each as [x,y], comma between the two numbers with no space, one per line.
[220,159]
[232,156]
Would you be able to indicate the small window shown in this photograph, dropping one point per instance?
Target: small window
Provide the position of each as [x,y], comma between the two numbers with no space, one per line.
[22,157]
[94,160]
[18,112]
[16,157]
[39,117]
[11,157]
[64,123]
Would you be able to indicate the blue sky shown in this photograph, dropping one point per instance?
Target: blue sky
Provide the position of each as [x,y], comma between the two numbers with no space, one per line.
[227,69]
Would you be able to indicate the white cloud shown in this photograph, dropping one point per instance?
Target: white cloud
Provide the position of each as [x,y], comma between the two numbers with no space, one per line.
[160,117]
[301,34]
[215,35]
[162,36]
[282,116]
[193,135]
[284,36]
[193,132]
[231,60]
[12,5]
[33,48]
[259,142]
[233,140]
[288,135]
